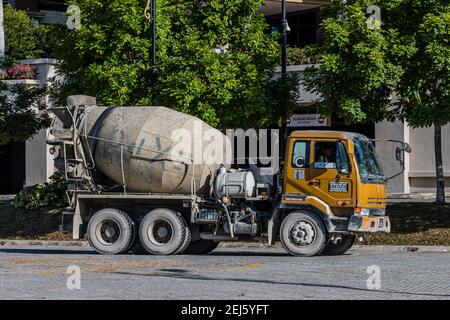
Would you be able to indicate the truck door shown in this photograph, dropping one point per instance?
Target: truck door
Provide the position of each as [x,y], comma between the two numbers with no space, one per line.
[325,182]
[297,167]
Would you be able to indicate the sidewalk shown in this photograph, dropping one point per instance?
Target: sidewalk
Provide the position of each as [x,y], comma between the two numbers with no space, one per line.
[243,245]
[414,197]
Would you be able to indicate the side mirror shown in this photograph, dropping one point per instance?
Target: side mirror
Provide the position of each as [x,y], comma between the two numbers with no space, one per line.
[398,154]
[407,147]
[343,168]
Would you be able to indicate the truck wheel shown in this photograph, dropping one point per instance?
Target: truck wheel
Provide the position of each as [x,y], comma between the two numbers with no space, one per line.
[303,234]
[111,231]
[201,247]
[332,249]
[137,248]
[187,241]
[163,232]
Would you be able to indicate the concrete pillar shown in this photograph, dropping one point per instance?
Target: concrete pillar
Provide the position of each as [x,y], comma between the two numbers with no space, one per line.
[38,160]
[396,130]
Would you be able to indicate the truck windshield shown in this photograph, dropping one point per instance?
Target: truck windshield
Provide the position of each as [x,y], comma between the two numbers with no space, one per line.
[367,159]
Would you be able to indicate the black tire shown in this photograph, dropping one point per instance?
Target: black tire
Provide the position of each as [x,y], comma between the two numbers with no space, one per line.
[303,234]
[201,247]
[187,241]
[163,232]
[341,247]
[111,231]
[137,248]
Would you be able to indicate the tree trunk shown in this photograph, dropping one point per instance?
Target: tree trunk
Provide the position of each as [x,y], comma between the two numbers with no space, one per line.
[440,186]
[2,33]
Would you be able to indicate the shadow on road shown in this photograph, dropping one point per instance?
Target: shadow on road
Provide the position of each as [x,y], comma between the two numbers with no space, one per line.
[258,253]
[182,274]
[88,251]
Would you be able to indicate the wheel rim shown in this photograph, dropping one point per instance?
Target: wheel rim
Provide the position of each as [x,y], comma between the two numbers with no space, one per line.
[107,232]
[160,232]
[302,233]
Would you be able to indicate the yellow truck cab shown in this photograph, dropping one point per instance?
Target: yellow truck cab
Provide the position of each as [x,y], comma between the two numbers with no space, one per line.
[337,176]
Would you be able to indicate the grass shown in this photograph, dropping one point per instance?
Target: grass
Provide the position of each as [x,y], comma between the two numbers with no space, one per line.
[412,224]
[21,224]
[415,224]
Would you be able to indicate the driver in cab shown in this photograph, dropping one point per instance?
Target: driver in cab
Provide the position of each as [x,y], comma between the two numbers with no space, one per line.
[326,157]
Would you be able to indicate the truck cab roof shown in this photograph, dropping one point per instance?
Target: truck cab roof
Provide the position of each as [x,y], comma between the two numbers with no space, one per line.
[327,135]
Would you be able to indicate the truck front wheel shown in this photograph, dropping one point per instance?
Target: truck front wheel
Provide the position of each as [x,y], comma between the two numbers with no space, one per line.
[303,234]
[111,231]
[164,232]
[201,247]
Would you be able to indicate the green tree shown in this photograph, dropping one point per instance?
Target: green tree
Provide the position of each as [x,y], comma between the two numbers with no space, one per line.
[21,112]
[364,64]
[109,57]
[225,89]
[23,40]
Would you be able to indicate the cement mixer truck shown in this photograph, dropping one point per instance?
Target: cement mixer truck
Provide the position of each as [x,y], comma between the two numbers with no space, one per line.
[131,190]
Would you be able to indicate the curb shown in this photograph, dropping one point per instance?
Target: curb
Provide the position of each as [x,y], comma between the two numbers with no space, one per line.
[400,249]
[43,243]
[248,245]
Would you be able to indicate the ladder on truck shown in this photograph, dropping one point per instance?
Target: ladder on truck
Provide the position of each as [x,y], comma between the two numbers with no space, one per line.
[71,160]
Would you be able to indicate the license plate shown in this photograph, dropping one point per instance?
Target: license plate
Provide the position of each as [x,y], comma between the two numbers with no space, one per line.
[381,223]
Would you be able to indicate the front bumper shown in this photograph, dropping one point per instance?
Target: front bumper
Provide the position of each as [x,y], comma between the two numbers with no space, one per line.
[358,223]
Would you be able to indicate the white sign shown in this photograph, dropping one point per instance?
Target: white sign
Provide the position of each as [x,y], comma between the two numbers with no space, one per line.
[308,120]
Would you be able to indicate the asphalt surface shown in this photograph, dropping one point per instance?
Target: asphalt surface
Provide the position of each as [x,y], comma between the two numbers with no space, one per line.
[228,273]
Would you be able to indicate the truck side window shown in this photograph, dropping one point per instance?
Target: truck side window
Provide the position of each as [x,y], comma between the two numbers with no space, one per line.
[325,155]
[300,154]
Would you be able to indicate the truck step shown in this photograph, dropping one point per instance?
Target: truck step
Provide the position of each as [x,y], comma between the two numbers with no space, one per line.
[65,134]
[54,142]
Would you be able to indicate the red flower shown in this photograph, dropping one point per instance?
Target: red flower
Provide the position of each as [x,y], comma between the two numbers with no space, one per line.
[21,71]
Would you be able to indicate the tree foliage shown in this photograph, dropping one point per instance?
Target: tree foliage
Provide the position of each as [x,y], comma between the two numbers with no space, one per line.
[424,89]
[23,40]
[408,56]
[48,195]
[21,112]
[109,57]
[399,68]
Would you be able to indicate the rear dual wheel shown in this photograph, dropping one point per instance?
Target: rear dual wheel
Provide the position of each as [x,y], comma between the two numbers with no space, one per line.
[111,231]
[164,232]
[161,232]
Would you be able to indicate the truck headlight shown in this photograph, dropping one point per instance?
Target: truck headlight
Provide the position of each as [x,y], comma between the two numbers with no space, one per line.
[362,211]
[370,212]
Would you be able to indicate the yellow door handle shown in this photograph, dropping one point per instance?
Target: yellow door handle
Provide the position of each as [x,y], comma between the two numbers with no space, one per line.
[314,183]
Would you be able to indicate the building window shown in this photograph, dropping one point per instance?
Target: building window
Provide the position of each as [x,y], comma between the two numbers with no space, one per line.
[37,5]
[304,27]
[53,5]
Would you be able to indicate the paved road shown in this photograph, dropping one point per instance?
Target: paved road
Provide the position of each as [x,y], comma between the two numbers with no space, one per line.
[228,273]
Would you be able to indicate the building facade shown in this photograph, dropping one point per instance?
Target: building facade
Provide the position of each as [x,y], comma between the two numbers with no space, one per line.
[42,11]
[24,164]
